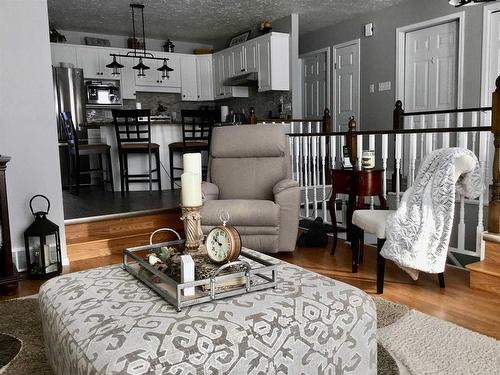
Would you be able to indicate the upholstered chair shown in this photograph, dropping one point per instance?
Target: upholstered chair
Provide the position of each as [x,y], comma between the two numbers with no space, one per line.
[249,179]
[374,221]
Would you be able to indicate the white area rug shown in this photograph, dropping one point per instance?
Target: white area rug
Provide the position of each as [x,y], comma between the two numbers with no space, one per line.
[427,345]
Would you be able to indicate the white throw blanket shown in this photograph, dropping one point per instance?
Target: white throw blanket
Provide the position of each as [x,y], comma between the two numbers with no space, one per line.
[418,233]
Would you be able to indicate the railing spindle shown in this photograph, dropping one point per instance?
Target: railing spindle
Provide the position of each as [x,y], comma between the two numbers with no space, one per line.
[305,153]
[385,154]
[314,156]
[323,175]
[398,163]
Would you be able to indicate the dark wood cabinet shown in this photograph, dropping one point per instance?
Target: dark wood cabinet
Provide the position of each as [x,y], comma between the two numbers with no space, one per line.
[8,271]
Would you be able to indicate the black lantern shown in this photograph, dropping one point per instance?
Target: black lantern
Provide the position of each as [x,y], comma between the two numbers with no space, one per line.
[165,70]
[43,246]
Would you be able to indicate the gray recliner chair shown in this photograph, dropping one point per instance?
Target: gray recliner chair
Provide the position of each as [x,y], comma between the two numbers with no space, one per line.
[249,177]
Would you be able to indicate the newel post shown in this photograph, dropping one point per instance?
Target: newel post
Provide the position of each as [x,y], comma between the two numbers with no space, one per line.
[352,140]
[397,124]
[494,206]
[327,121]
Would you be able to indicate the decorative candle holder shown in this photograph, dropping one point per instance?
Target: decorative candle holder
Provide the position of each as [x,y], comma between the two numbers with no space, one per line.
[192,227]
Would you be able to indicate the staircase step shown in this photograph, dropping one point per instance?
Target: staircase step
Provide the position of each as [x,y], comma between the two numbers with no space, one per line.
[485,275]
[492,251]
[110,236]
[117,227]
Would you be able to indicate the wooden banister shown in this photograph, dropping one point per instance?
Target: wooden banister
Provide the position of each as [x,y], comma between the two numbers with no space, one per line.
[352,140]
[398,121]
[494,205]
[327,121]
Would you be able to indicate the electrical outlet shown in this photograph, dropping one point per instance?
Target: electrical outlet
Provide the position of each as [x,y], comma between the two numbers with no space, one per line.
[372,88]
[384,86]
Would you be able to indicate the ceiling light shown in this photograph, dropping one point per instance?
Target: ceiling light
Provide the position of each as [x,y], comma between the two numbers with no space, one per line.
[141,68]
[165,70]
[116,66]
[140,54]
[459,3]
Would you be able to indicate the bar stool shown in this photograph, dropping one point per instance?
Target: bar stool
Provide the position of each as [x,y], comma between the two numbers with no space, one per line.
[196,133]
[77,150]
[133,136]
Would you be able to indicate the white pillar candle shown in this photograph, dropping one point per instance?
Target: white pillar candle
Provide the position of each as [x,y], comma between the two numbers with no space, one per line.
[192,163]
[191,189]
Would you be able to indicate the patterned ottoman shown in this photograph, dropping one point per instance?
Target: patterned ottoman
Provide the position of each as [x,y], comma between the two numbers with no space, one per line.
[104,321]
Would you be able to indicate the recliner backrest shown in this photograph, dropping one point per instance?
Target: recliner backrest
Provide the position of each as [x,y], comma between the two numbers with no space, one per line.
[246,161]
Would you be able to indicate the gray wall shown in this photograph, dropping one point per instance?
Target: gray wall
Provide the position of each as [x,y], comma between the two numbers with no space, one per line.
[378,53]
[27,131]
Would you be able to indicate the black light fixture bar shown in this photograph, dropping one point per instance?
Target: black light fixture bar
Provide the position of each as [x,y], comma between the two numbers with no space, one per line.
[138,54]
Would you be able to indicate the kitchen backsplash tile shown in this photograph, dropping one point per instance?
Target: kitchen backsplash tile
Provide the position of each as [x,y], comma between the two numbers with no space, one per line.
[262,102]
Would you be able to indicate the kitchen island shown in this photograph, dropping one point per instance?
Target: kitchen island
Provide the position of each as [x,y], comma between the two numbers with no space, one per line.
[162,133]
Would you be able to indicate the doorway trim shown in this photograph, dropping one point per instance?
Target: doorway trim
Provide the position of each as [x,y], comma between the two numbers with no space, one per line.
[328,75]
[401,49]
[333,111]
[488,10]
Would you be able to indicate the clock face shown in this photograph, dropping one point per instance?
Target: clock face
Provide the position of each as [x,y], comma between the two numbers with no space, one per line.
[218,245]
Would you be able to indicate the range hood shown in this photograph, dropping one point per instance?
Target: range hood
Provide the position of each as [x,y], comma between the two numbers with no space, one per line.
[246,79]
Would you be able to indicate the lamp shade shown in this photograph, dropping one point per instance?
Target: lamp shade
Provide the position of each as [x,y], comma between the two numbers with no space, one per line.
[115,65]
[165,69]
[141,68]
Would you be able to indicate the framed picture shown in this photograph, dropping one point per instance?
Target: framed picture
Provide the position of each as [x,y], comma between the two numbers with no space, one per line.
[89,41]
[239,38]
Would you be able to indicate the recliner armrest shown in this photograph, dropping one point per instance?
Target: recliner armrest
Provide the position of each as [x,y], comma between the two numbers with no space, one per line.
[284,185]
[209,191]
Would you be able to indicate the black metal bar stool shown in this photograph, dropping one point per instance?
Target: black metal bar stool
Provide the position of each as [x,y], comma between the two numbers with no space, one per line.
[133,136]
[196,133]
[77,150]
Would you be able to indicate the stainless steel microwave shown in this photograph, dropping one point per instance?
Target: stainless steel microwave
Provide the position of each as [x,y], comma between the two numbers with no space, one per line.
[103,93]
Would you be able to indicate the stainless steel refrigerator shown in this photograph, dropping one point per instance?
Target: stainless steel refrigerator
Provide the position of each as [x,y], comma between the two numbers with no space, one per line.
[69,91]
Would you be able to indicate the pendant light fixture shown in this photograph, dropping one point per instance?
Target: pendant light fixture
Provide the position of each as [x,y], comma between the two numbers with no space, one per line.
[165,70]
[139,54]
[459,3]
[116,66]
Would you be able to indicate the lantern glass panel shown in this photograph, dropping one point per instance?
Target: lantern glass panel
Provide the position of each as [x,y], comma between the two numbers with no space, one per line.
[50,253]
[35,249]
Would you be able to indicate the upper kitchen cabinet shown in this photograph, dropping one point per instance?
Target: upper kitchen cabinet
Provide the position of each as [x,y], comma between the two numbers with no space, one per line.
[189,88]
[245,58]
[93,61]
[196,77]
[274,62]
[204,77]
[153,81]
[223,68]
[63,53]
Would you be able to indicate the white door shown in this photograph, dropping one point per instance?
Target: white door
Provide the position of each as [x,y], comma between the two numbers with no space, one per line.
[314,81]
[493,70]
[431,68]
[346,67]
[251,57]
[88,60]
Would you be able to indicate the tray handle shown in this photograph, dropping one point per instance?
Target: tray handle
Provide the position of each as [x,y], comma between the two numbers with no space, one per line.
[223,267]
[163,230]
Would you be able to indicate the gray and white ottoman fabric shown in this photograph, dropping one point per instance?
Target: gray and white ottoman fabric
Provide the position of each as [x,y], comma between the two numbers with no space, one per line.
[104,321]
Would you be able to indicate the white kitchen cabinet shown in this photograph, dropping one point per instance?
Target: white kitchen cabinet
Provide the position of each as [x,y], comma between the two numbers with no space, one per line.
[189,87]
[153,81]
[127,76]
[251,56]
[63,53]
[218,74]
[204,77]
[274,62]
[93,61]
[238,57]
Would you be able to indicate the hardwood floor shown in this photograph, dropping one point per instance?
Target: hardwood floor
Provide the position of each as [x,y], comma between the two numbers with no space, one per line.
[457,303]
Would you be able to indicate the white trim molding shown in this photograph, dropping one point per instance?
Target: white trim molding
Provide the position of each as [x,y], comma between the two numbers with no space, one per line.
[400,52]
[488,10]
[333,111]
[328,75]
